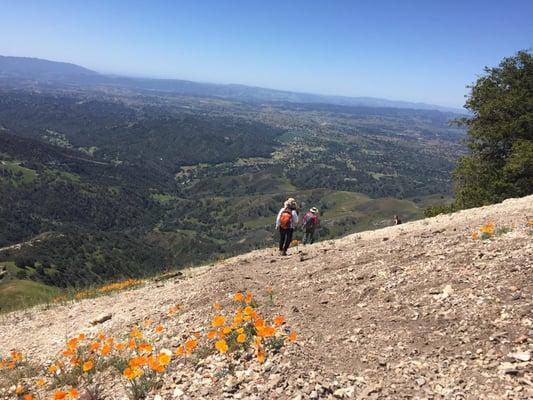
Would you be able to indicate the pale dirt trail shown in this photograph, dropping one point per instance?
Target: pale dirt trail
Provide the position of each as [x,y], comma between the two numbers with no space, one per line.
[418,310]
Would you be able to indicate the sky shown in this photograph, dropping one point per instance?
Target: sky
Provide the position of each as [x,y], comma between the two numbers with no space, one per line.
[413,50]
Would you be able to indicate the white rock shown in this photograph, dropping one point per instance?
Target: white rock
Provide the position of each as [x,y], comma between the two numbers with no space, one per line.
[520,355]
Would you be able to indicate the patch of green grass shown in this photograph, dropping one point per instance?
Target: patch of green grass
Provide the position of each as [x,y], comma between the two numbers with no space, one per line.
[163,198]
[88,150]
[338,204]
[18,174]
[62,175]
[17,294]
[379,175]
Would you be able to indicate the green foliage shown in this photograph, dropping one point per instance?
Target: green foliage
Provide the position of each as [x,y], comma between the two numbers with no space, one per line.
[500,135]
[16,294]
[433,211]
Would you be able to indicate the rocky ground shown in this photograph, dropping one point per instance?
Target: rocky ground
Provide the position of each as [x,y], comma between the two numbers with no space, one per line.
[418,311]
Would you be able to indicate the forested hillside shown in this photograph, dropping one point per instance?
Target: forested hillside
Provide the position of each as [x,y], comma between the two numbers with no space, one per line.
[98,185]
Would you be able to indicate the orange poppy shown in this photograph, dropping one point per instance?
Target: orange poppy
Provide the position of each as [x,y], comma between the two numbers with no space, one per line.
[248,298]
[218,321]
[261,356]
[131,373]
[138,361]
[221,346]
[248,310]
[120,346]
[106,349]
[136,333]
[266,331]
[72,343]
[279,320]
[60,395]
[180,350]
[53,368]
[226,330]
[87,366]
[293,336]
[145,348]
[191,344]
[164,358]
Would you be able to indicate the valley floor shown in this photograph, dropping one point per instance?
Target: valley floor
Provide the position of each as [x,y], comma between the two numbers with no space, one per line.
[419,310]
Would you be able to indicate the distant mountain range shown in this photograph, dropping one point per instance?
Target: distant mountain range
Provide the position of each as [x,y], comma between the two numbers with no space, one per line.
[45,71]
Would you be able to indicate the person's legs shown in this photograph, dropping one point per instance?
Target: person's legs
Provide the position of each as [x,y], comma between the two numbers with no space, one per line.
[306,237]
[288,240]
[282,235]
[311,237]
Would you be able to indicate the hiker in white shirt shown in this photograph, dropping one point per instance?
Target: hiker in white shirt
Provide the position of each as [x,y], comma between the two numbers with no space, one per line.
[286,222]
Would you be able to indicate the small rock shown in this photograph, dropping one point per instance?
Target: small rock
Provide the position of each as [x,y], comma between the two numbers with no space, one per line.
[420,381]
[447,291]
[101,318]
[508,368]
[520,355]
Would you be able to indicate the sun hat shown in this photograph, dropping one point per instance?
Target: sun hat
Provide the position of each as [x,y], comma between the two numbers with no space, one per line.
[314,210]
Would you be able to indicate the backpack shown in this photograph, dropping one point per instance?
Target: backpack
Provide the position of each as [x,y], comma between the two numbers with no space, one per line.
[285,219]
[310,220]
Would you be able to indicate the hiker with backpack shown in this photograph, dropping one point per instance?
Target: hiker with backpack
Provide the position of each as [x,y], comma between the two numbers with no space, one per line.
[310,223]
[286,222]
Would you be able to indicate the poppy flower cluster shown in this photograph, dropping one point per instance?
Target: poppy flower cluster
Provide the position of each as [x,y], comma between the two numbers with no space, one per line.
[102,290]
[245,328]
[240,329]
[13,361]
[486,231]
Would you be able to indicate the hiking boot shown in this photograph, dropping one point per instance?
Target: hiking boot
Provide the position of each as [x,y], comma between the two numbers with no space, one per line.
[283,253]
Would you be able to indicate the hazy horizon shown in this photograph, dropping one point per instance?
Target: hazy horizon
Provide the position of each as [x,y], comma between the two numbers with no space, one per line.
[413,52]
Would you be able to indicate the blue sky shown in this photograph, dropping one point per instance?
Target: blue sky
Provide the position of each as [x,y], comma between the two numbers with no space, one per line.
[402,50]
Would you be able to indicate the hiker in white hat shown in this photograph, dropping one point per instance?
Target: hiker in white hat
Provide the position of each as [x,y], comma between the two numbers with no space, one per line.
[310,223]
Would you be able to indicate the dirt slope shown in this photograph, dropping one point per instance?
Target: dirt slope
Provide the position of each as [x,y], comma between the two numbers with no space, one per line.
[418,310]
